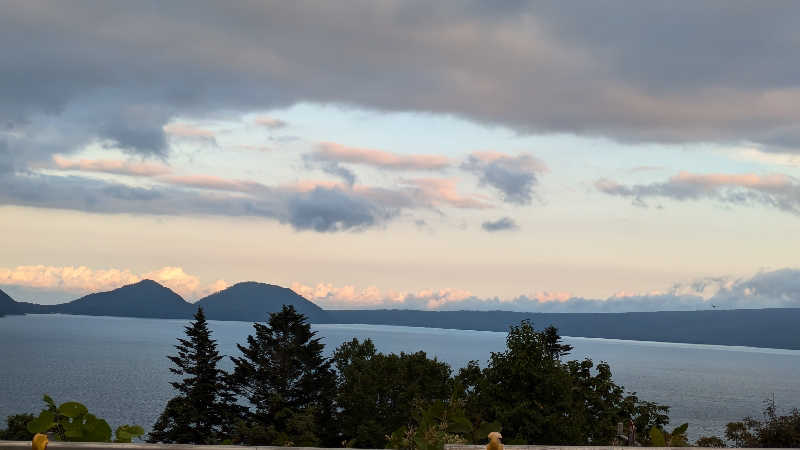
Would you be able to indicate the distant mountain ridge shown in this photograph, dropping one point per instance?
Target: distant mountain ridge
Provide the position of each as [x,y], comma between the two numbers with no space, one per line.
[249,301]
[246,301]
[252,302]
[8,305]
[143,299]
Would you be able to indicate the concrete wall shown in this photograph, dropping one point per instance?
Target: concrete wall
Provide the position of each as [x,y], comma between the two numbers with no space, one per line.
[13,445]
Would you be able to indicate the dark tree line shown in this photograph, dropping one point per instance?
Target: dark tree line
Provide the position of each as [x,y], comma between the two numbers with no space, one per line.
[283,391]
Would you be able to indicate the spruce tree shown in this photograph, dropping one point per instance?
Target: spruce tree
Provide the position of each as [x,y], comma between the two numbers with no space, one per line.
[204,410]
[289,383]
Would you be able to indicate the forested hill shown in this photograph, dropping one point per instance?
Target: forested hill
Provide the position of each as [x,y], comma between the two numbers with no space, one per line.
[250,301]
[7,304]
[774,328]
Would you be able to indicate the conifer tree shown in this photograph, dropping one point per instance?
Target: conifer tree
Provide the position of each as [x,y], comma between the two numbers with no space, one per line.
[204,410]
[289,383]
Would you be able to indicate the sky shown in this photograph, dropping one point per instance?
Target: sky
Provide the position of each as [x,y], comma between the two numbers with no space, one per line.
[532,156]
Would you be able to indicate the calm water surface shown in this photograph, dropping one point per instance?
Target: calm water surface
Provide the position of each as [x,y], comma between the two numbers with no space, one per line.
[118,366]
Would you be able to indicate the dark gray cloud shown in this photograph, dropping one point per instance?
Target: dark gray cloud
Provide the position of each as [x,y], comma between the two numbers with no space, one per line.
[775,191]
[501,224]
[684,71]
[327,210]
[320,209]
[514,176]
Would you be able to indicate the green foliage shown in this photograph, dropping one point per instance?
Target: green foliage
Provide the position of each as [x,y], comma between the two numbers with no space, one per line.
[710,441]
[774,431]
[204,411]
[291,386]
[17,428]
[661,438]
[434,424]
[540,399]
[126,433]
[72,422]
[378,393]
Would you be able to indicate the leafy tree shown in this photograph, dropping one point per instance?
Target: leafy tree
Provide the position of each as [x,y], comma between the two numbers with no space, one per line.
[540,399]
[203,412]
[660,437]
[710,441]
[290,385]
[378,393]
[17,428]
[774,431]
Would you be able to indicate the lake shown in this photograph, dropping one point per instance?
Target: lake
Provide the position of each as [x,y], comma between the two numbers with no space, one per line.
[118,366]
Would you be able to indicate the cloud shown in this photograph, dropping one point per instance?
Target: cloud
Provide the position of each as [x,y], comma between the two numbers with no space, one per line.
[774,190]
[443,191]
[501,224]
[83,280]
[514,176]
[319,209]
[772,289]
[349,297]
[270,122]
[188,131]
[330,167]
[541,67]
[213,182]
[111,166]
[337,153]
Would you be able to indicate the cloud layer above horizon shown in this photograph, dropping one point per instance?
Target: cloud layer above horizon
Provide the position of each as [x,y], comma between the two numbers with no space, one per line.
[772,289]
[487,146]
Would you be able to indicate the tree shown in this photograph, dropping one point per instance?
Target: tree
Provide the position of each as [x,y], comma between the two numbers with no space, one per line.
[540,399]
[204,410]
[379,393]
[710,441]
[659,437]
[288,382]
[775,431]
[17,428]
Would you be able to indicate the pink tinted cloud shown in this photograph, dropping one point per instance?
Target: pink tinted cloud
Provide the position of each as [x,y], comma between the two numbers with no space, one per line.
[270,122]
[213,182]
[444,191]
[82,279]
[111,166]
[188,131]
[349,296]
[772,190]
[330,151]
[772,181]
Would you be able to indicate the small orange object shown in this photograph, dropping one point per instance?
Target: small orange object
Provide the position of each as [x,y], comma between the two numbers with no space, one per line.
[40,442]
[494,441]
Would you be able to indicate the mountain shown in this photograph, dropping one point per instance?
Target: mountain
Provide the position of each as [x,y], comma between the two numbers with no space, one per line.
[143,299]
[252,302]
[8,305]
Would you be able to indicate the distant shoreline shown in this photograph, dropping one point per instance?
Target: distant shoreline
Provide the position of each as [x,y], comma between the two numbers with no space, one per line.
[710,327]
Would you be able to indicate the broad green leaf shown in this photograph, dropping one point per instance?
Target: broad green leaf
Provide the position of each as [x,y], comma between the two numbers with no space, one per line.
[73,431]
[123,437]
[49,401]
[657,438]
[43,423]
[100,432]
[126,433]
[72,409]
